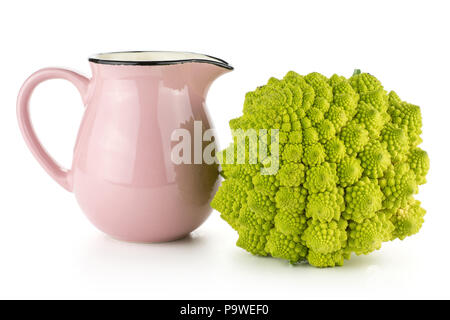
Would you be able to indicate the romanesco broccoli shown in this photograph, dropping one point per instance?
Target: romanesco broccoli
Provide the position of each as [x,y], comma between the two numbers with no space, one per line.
[348,165]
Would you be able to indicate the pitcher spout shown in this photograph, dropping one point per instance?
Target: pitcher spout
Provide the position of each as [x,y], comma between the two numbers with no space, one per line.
[202,75]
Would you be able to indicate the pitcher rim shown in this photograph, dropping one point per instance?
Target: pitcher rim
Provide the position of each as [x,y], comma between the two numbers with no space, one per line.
[97,58]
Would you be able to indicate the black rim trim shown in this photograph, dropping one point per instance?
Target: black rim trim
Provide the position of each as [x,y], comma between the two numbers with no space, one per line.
[219,62]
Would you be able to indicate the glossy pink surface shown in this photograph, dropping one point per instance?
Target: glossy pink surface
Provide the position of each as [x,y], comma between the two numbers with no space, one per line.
[122,173]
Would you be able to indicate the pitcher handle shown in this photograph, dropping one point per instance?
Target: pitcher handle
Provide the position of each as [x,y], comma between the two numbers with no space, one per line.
[59,174]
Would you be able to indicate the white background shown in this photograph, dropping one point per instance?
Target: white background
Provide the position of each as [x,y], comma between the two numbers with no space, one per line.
[48,249]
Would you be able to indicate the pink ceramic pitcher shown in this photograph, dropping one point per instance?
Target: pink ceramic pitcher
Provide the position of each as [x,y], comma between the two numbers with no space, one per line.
[123,174]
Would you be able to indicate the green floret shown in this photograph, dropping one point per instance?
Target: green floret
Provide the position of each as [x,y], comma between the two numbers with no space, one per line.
[267,184]
[364,82]
[320,85]
[325,237]
[335,80]
[253,232]
[338,116]
[348,102]
[396,140]
[376,99]
[325,206]
[315,115]
[293,92]
[375,159]
[343,87]
[335,150]
[232,169]
[321,104]
[253,240]
[419,163]
[336,177]
[283,138]
[248,220]
[308,93]
[393,98]
[268,96]
[362,200]
[292,153]
[370,118]
[291,199]
[289,247]
[316,77]
[321,260]
[408,115]
[295,137]
[326,130]
[310,136]
[305,123]
[314,155]
[268,117]
[291,175]
[321,178]
[408,220]
[262,205]
[290,222]
[355,137]
[349,171]
[230,198]
[398,186]
[367,236]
